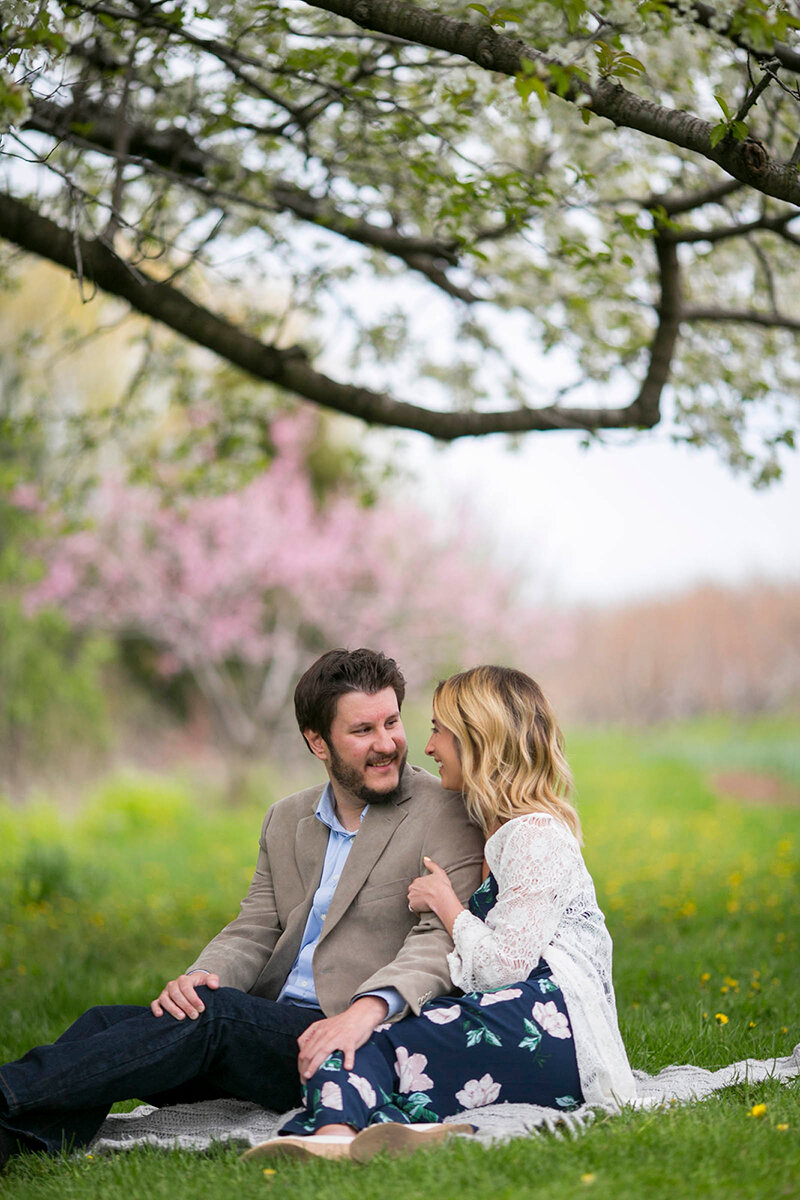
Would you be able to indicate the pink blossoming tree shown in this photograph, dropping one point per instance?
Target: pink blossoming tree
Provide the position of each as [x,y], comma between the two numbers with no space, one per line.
[242,590]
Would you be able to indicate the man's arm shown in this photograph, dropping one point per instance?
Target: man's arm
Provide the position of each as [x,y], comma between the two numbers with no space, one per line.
[237,955]
[346,1032]
[179,998]
[419,969]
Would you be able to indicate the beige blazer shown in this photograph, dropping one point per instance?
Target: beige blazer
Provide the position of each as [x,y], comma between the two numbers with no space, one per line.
[369,939]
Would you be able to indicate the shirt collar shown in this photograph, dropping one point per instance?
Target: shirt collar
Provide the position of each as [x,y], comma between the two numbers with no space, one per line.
[326,812]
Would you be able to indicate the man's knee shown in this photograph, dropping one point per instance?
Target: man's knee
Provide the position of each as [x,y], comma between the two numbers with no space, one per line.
[95,1020]
[219,1002]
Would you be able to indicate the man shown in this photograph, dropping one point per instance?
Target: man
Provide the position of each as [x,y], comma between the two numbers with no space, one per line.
[324,949]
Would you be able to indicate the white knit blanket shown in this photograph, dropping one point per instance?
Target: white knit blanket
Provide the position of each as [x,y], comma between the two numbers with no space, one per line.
[196,1126]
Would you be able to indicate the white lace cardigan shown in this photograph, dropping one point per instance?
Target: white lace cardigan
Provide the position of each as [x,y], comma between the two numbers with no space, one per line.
[546,908]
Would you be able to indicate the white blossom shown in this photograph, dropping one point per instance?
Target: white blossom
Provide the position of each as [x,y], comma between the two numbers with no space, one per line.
[331,1095]
[364,1088]
[443,1016]
[410,1071]
[551,1020]
[477,1092]
[498,997]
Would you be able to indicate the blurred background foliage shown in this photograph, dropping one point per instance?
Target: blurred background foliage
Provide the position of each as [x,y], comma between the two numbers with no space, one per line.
[175,548]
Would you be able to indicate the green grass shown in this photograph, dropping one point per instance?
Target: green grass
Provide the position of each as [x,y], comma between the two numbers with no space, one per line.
[701,896]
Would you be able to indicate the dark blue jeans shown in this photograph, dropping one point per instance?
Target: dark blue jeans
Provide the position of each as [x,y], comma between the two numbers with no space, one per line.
[241,1046]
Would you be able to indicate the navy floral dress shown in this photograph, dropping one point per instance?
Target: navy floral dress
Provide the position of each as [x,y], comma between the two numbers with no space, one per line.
[462,1052]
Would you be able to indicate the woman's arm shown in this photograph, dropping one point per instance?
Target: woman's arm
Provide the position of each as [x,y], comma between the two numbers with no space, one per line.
[434,893]
[537,874]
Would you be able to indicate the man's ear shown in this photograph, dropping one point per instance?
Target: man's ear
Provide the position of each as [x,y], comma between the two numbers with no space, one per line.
[316,744]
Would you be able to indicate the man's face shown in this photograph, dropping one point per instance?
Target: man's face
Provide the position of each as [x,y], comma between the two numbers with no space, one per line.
[366,748]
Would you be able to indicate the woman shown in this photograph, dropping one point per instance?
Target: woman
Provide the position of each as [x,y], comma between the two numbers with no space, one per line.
[537,1022]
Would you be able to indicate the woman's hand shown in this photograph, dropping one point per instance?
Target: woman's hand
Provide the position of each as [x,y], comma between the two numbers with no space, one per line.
[434,893]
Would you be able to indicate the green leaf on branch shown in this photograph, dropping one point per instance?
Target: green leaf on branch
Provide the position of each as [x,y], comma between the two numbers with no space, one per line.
[722,102]
[496,16]
[528,81]
[616,64]
[573,11]
[729,126]
[718,133]
[565,78]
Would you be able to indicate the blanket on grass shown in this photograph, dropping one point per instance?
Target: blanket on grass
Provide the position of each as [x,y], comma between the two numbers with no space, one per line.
[197,1126]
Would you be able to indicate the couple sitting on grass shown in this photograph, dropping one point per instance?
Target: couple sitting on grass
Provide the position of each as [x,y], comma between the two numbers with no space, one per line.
[375,975]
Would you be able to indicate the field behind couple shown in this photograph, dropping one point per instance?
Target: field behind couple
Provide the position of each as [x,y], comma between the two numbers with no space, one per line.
[692,833]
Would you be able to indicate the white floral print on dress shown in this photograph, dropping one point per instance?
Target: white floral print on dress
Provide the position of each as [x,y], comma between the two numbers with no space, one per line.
[477,1092]
[443,1016]
[410,1068]
[364,1088]
[498,997]
[551,1020]
[331,1095]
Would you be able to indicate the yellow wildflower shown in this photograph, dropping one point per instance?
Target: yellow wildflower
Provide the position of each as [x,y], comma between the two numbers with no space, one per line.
[751,1025]
[720,1018]
[758,1110]
[704,978]
[588,1177]
[782,1127]
[268,1171]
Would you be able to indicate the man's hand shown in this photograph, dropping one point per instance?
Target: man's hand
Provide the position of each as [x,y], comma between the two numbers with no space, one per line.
[345,1032]
[179,997]
[434,893]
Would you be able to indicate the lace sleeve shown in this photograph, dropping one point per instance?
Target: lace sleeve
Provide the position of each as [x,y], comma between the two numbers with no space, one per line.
[537,874]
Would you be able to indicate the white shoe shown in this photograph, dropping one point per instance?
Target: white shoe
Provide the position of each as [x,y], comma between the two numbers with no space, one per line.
[396,1139]
[302,1148]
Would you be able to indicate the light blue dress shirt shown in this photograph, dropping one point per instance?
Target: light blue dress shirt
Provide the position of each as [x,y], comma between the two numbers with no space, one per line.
[299,987]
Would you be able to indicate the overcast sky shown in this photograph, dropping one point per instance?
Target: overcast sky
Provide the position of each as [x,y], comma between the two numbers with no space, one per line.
[617,521]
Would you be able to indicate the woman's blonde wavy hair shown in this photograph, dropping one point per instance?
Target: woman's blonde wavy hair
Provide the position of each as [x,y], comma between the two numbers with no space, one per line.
[510,746]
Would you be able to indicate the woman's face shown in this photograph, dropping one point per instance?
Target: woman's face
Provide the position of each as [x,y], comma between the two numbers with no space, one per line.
[443,748]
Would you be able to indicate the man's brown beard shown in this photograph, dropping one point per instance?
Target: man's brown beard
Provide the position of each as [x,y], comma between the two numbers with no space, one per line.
[353,780]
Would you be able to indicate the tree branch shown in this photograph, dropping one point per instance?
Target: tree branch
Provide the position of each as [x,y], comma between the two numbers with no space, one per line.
[747,161]
[775,224]
[758,89]
[290,369]
[741,316]
[666,336]
[677,204]
[176,153]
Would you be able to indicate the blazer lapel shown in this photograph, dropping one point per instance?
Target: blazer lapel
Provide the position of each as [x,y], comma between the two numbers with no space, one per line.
[310,844]
[376,831]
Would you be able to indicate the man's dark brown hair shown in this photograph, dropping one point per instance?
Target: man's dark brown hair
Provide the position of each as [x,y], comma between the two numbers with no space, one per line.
[335,674]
